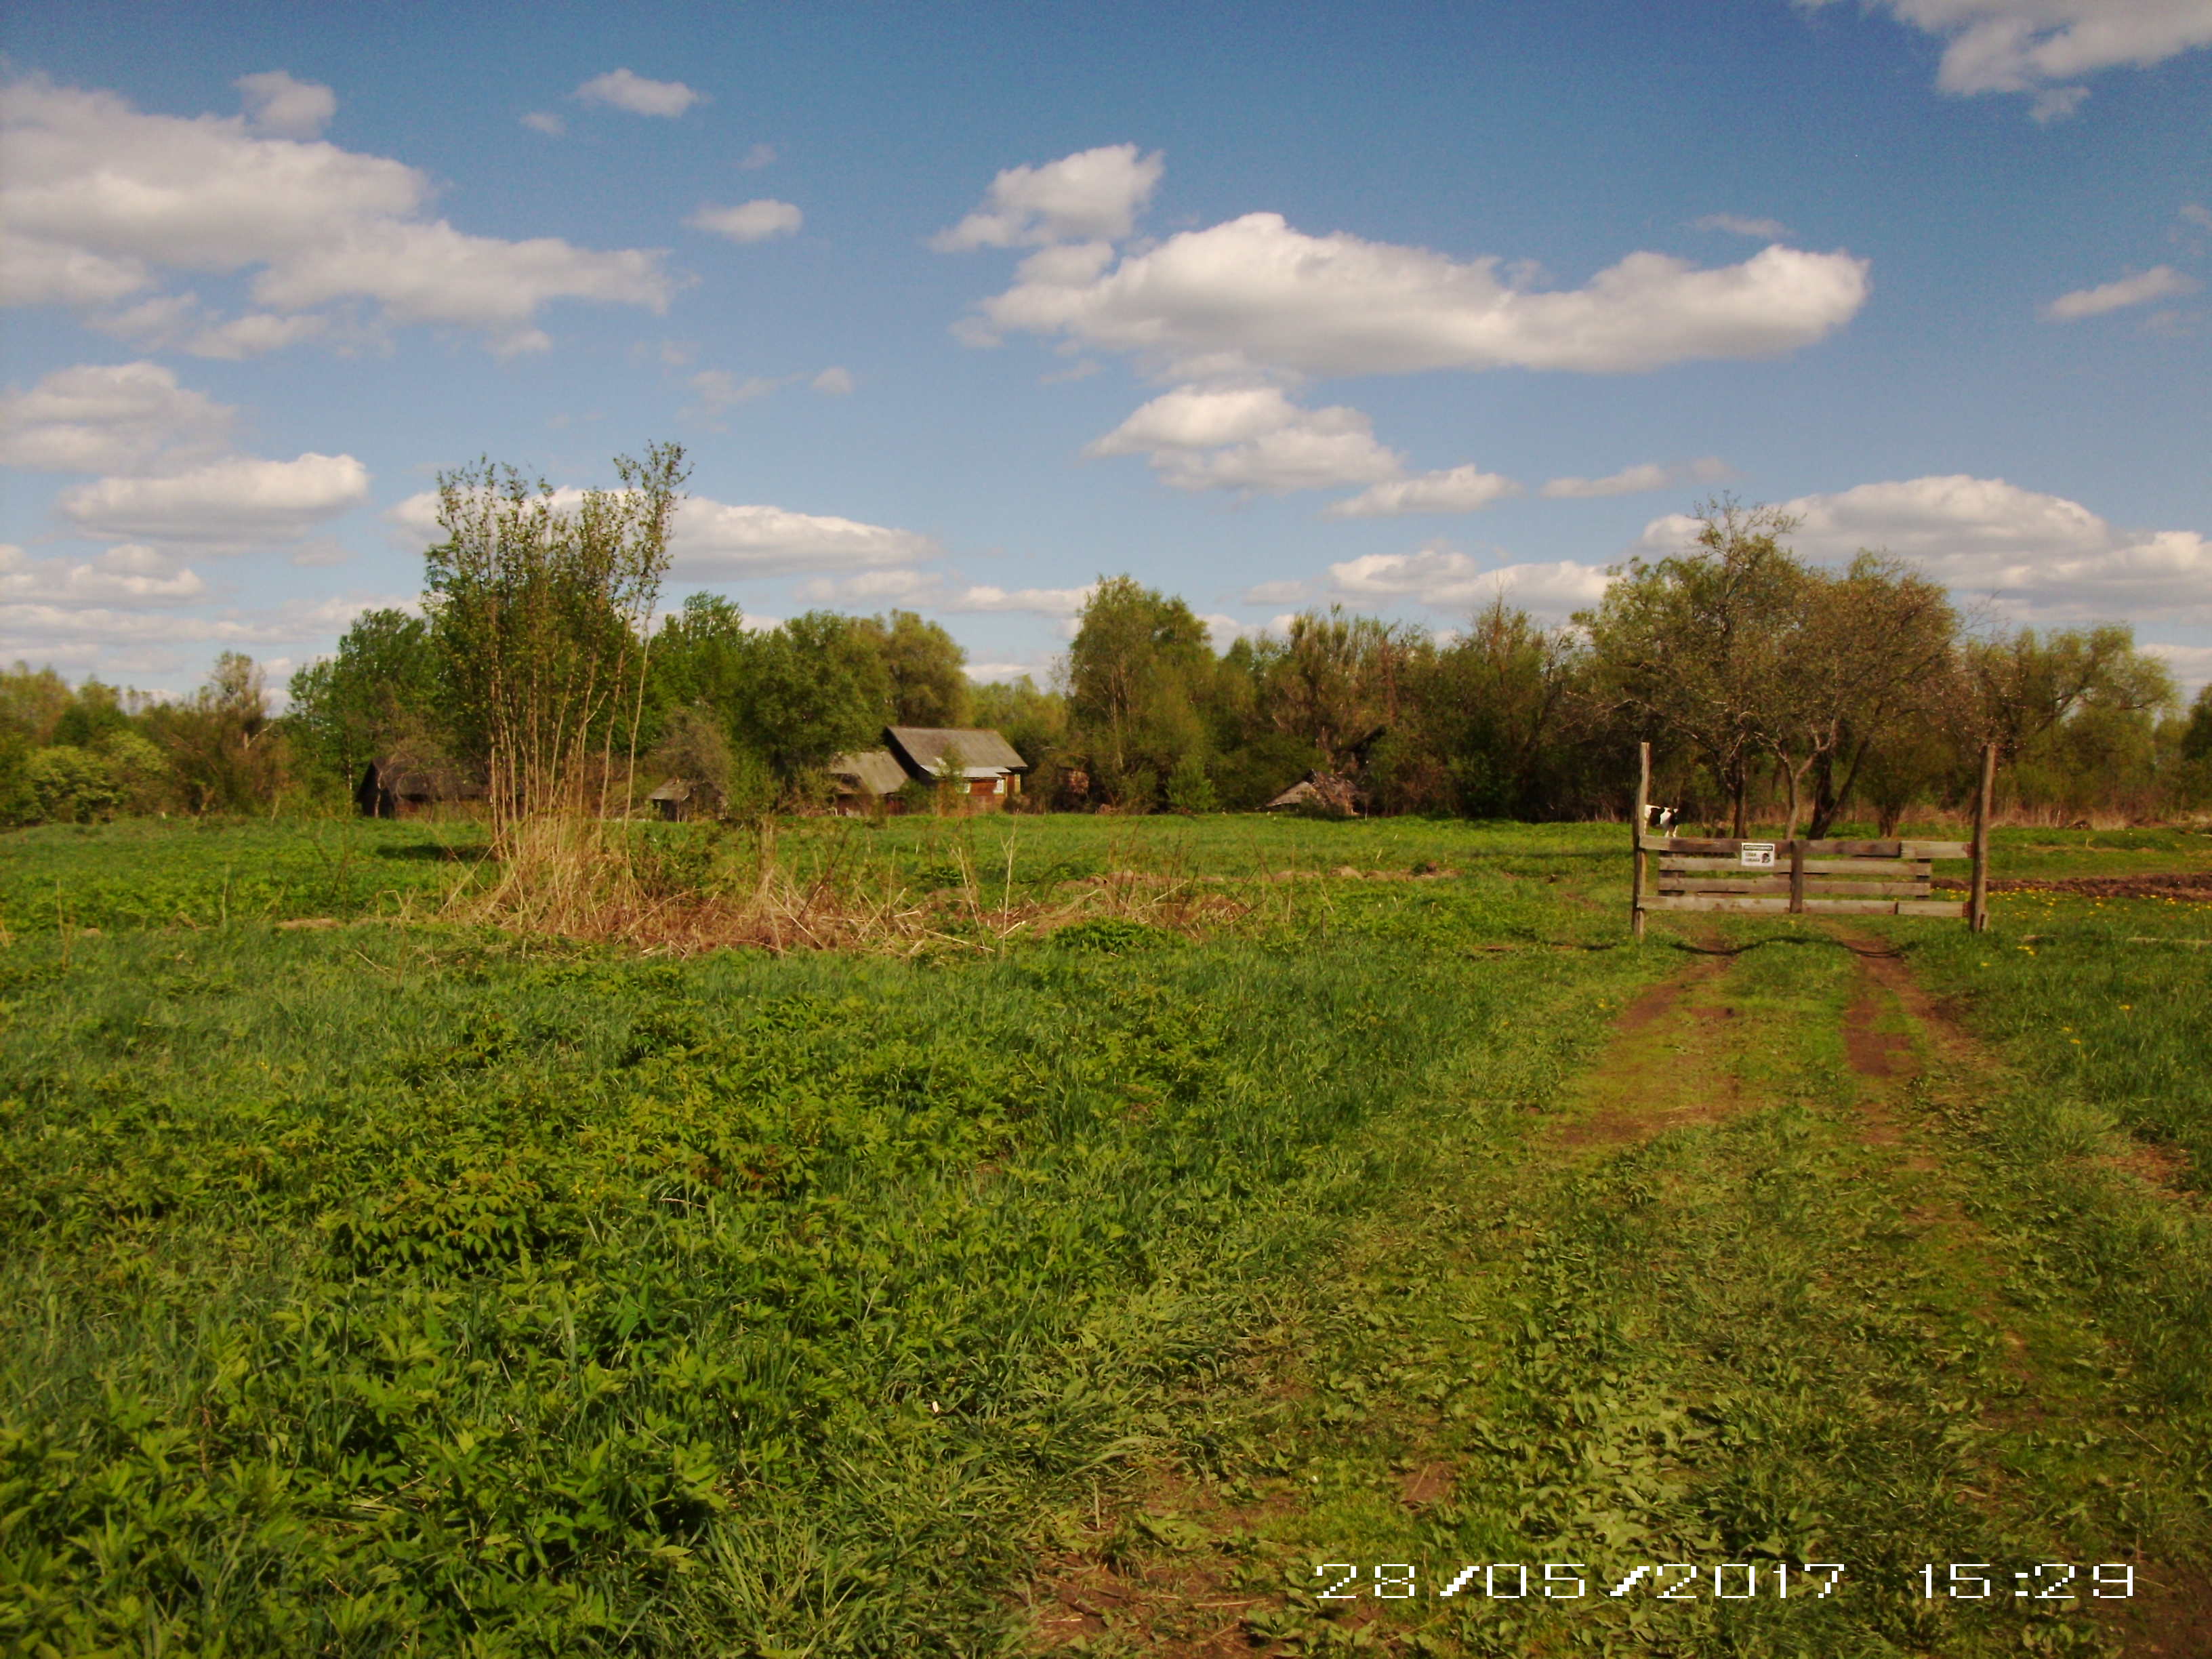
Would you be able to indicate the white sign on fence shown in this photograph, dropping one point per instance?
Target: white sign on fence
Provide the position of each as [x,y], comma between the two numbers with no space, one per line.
[1757,852]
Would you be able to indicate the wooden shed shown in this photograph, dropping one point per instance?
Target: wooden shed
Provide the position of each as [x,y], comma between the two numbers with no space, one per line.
[400,786]
[868,781]
[679,799]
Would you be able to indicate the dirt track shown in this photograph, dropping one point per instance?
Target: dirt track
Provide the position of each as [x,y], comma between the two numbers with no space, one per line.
[2178,884]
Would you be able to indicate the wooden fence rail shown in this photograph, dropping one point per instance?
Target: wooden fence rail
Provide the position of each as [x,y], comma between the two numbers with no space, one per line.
[1803,877]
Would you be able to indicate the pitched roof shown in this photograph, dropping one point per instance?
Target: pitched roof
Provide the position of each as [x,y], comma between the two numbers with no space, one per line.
[982,753]
[674,789]
[876,770]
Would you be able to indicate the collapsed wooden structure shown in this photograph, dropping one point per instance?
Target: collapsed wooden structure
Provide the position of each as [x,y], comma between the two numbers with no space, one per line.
[1892,878]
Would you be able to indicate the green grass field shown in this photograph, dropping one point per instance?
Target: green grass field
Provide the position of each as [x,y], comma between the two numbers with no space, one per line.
[404,1288]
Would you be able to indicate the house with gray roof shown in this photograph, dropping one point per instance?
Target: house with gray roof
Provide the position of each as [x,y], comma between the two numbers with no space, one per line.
[987,768]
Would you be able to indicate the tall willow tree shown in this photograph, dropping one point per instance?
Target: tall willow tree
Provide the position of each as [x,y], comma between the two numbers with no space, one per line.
[538,604]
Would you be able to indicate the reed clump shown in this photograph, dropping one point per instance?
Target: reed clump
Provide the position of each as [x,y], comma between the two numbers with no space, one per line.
[709,888]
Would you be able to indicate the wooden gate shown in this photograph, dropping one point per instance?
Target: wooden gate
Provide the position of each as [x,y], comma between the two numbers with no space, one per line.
[1798,877]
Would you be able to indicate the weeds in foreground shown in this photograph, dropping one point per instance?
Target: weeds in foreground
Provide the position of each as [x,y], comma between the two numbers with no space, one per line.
[711,889]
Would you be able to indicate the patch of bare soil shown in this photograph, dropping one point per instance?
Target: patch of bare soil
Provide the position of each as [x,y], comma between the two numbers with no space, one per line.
[1662,1069]
[2180,883]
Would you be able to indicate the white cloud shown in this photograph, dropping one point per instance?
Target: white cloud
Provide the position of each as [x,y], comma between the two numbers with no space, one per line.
[2191,663]
[2159,282]
[932,590]
[749,222]
[1439,577]
[1255,296]
[759,156]
[2040,556]
[285,108]
[130,573]
[112,638]
[713,540]
[1767,230]
[1001,673]
[1629,481]
[718,390]
[1249,437]
[98,194]
[1093,195]
[1459,489]
[2033,46]
[1278,593]
[833,381]
[874,587]
[1037,601]
[622,89]
[223,503]
[121,418]
[545,121]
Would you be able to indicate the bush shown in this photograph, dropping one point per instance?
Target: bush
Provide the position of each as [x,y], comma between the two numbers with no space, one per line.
[69,785]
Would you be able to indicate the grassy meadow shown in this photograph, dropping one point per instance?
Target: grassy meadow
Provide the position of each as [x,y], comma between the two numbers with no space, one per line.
[1208,1236]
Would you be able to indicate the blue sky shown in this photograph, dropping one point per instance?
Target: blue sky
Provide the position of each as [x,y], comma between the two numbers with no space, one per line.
[958,308]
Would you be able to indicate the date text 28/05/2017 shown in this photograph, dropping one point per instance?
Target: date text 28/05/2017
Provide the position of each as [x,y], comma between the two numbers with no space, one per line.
[1726,1581]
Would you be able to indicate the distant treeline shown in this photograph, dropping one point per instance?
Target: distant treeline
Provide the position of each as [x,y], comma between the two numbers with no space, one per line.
[1770,687]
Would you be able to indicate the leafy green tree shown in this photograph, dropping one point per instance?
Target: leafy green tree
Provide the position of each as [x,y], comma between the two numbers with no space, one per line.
[1139,662]
[538,609]
[378,695]
[1691,648]
[924,667]
[226,753]
[70,785]
[817,688]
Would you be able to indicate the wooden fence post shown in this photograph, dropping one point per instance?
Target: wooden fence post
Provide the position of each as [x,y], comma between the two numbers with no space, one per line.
[1977,902]
[1643,800]
[1797,878]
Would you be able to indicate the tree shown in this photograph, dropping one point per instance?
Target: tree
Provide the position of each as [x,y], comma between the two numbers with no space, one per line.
[539,607]
[1137,660]
[814,687]
[1861,655]
[226,754]
[1691,648]
[1336,680]
[925,668]
[376,696]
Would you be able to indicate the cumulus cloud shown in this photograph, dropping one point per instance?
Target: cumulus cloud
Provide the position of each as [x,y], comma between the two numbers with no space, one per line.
[1249,437]
[1255,296]
[223,504]
[2191,663]
[1636,480]
[749,222]
[285,108]
[2159,282]
[2038,46]
[545,121]
[718,390]
[1277,593]
[1458,489]
[98,195]
[1093,195]
[118,418]
[622,89]
[129,574]
[759,156]
[2041,556]
[713,540]
[1442,578]
[833,381]
[112,638]
[932,590]
[1767,230]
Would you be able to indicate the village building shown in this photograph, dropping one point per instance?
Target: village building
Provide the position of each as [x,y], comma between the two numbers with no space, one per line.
[679,799]
[982,764]
[399,786]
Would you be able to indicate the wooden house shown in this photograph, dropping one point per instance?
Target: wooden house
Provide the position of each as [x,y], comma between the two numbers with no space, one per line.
[679,799]
[985,768]
[400,786]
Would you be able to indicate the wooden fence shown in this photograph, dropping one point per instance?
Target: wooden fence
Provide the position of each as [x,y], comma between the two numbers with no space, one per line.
[1799,877]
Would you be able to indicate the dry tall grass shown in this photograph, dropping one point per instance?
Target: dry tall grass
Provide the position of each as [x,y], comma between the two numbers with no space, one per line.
[582,877]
